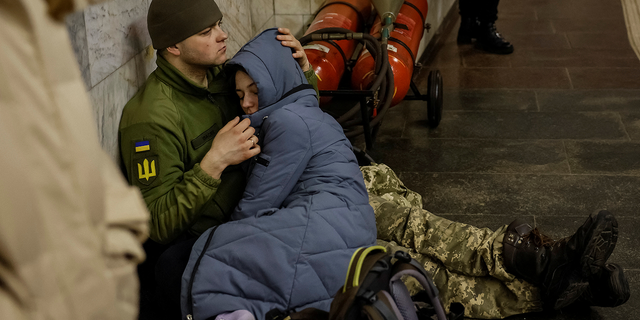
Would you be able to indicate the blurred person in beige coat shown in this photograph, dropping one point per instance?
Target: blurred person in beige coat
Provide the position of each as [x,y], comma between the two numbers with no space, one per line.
[70,227]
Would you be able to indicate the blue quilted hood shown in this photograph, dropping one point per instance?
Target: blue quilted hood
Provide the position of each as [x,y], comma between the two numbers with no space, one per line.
[278,76]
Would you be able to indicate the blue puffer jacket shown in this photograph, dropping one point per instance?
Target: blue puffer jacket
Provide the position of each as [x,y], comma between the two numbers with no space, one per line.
[304,212]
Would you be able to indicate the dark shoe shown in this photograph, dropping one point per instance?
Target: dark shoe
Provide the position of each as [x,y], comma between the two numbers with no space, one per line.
[489,40]
[610,289]
[560,268]
[468,30]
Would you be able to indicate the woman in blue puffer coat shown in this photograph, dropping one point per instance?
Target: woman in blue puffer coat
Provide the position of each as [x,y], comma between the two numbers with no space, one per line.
[305,209]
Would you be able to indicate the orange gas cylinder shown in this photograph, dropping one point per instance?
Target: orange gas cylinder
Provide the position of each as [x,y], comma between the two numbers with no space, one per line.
[403,44]
[328,58]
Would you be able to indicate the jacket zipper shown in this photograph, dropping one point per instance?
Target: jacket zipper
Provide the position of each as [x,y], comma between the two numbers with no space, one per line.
[193,274]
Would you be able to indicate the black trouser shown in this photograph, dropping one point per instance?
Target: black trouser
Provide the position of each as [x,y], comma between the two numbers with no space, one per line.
[147,275]
[484,10]
[165,290]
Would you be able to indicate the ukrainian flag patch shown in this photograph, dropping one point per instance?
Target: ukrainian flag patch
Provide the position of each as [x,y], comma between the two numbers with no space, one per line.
[142,146]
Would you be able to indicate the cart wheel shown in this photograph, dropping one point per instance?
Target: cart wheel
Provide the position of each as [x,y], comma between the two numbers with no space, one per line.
[434,96]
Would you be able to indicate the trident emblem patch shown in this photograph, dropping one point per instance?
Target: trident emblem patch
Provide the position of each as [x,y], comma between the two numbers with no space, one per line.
[146,174]
[147,170]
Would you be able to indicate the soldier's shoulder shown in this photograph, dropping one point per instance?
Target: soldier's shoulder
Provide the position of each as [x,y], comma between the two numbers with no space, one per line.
[152,101]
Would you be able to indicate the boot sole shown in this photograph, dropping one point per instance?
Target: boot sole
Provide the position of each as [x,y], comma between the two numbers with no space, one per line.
[603,240]
[609,291]
[571,293]
[620,292]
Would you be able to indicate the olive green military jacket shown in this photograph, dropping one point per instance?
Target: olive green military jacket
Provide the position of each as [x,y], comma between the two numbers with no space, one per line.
[165,131]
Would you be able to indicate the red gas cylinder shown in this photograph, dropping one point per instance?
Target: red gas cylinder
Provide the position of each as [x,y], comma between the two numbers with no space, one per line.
[328,58]
[403,44]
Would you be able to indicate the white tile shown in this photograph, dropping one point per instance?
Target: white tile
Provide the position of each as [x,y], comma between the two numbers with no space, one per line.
[116,32]
[78,37]
[261,12]
[292,7]
[108,99]
[237,23]
[294,22]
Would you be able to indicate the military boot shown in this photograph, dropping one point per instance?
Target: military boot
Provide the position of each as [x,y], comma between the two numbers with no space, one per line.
[561,268]
[610,289]
[468,30]
[489,40]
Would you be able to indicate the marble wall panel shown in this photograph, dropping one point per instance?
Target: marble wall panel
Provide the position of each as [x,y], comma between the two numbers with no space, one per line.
[294,22]
[78,37]
[109,98]
[237,23]
[438,10]
[292,6]
[271,23]
[116,32]
[261,13]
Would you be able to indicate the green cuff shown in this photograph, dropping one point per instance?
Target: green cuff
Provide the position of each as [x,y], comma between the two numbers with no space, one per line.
[308,72]
[205,177]
[312,78]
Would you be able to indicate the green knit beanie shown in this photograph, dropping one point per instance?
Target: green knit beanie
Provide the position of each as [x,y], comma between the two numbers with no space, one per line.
[171,21]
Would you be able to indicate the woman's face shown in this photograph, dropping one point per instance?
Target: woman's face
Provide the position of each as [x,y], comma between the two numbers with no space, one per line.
[247,91]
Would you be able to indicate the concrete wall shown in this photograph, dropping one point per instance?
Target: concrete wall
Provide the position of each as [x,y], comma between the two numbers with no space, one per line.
[115,56]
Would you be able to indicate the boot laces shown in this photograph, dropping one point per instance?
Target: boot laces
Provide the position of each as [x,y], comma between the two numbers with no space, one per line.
[492,28]
[541,240]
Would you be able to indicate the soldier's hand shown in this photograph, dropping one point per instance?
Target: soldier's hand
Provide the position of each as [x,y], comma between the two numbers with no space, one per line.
[288,40]
[234,143]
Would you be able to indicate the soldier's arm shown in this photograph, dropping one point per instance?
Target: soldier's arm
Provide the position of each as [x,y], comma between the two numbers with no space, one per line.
[230,146]
[313,80]
[153,154]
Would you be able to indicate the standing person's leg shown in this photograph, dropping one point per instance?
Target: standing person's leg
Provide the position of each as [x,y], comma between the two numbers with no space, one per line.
[468,10]
[169,269]
[487,10]
[487,37]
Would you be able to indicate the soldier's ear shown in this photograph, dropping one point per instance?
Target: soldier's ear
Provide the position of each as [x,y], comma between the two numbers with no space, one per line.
[174,50]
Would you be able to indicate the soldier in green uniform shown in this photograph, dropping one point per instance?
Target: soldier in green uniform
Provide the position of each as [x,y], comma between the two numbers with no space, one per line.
[181,139]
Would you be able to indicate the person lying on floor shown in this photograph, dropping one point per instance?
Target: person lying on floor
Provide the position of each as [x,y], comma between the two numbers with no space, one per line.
[305,209]
[496,274]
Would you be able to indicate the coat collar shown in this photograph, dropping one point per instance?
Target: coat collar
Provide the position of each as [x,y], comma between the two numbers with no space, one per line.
[304,95]
[169,74]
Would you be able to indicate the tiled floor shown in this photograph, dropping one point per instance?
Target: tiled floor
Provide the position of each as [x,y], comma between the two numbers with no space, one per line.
[550,132]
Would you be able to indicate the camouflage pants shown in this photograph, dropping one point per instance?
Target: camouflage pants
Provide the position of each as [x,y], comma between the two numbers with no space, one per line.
[465,262]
